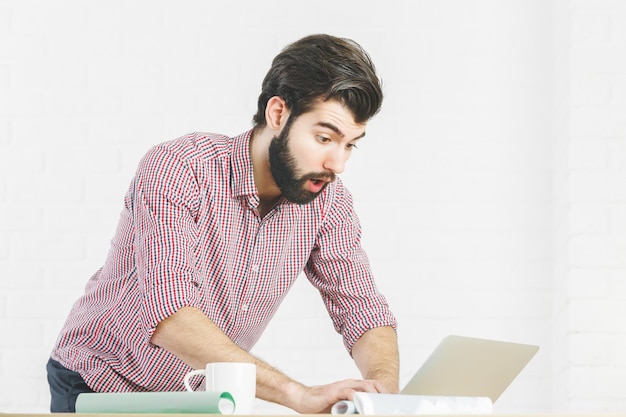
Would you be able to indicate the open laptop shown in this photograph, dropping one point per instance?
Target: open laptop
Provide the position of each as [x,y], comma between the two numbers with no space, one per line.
[469,367]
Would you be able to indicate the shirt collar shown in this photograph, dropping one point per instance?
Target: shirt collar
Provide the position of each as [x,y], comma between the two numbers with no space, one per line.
[242,172]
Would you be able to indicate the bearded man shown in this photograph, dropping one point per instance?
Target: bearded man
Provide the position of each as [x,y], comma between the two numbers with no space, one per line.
[214,232]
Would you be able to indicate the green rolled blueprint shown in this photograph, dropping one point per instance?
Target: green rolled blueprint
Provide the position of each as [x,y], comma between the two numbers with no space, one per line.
[198,402]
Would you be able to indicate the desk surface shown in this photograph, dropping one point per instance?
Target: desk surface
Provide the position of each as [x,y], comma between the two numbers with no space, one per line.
[310,415]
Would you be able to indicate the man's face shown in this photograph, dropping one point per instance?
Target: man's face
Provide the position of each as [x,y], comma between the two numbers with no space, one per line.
[312,149]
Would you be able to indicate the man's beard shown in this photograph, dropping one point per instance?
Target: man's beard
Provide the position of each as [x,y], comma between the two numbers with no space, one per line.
[285,173]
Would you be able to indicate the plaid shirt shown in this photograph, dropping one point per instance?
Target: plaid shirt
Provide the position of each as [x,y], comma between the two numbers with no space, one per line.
[190,235]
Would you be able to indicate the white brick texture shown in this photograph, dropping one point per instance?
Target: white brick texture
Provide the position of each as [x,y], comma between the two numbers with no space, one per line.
[592,259]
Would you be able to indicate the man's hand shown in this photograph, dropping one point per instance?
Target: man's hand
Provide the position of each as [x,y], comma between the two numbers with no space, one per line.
[321,398]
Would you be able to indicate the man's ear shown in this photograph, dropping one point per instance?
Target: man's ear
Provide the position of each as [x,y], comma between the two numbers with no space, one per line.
[276,113]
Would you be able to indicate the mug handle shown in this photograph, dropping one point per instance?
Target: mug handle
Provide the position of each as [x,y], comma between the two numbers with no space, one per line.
[189,375]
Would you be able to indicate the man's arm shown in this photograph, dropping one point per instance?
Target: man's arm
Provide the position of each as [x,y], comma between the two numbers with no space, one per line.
[376,356]
[196,340]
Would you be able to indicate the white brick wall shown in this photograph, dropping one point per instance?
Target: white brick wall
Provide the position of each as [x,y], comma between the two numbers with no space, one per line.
[591,242]
[490,187]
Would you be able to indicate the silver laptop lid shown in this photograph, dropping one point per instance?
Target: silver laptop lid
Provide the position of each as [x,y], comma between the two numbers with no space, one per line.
[466,366]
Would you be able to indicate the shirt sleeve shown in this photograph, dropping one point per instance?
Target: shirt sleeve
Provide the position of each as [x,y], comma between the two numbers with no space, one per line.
[164,203]
[339,268]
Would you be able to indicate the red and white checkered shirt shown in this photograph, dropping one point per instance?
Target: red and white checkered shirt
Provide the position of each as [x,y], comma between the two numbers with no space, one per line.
[190,235]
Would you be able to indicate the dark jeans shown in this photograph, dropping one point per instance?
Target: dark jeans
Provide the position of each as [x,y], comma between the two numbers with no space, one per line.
[65,385]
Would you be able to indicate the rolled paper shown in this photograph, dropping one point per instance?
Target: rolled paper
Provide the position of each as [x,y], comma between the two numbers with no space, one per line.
[199,402]
[343,407]
[367,403]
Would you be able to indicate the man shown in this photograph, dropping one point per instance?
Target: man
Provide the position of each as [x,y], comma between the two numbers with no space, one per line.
[214,232]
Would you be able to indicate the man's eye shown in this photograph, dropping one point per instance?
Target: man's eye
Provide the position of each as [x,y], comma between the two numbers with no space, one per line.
[323,139]
[351,146]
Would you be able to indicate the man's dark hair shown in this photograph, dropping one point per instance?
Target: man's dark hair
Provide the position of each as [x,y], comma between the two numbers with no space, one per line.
[322,67]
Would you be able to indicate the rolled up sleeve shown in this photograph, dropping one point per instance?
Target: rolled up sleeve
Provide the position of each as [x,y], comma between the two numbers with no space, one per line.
[340,270]
[165,200]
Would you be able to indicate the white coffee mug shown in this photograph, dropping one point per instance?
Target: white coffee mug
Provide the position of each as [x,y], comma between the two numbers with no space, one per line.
[238,379]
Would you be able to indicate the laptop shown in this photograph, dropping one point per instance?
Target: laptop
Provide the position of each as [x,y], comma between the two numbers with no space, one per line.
[468,367]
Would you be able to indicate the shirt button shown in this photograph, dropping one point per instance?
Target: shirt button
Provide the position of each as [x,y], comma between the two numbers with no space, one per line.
[244,307]
[255,268]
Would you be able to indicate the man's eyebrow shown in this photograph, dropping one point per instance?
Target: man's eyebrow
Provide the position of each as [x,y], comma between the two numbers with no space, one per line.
[337,130]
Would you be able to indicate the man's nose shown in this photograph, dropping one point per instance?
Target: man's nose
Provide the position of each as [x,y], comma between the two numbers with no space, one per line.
[335,160]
